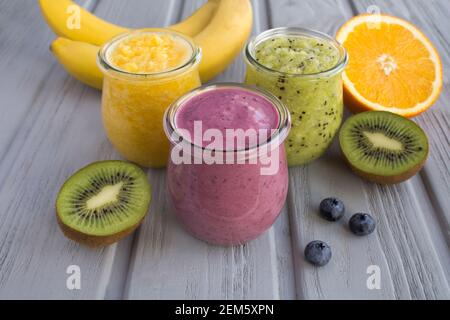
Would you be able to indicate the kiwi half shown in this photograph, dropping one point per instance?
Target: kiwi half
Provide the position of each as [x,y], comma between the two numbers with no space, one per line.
[383,147]
[103,202]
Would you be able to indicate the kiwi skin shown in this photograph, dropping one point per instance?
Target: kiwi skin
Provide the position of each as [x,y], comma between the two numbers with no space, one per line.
[95,241]
[386,179]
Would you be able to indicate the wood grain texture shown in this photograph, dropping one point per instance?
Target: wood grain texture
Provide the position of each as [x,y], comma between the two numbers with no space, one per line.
[16,57]
[345,277]
[41,104]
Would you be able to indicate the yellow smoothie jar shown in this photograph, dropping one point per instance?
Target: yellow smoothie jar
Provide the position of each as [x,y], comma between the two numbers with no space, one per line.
[144,72]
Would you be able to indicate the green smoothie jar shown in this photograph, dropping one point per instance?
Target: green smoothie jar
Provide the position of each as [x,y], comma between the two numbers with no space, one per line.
[303,69]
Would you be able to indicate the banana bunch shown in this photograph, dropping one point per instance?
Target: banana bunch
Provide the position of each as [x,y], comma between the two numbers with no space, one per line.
[219,27]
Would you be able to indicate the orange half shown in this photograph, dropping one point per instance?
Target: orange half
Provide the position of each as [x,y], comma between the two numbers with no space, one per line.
[393,66]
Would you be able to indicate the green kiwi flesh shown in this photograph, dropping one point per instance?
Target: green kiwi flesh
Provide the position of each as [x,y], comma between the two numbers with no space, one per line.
[103,202]
[383,147]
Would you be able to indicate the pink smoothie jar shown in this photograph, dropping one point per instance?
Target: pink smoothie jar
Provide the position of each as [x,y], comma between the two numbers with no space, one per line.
[227,175]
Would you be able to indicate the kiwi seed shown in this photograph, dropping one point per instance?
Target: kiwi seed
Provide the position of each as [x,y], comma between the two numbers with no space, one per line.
[103,202]
[383,147]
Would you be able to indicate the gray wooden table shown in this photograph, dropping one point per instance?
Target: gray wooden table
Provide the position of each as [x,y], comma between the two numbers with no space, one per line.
[50,126]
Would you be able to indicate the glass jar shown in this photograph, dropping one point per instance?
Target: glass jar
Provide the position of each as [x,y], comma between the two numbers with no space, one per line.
[133,104]
[314,99]
[228,203]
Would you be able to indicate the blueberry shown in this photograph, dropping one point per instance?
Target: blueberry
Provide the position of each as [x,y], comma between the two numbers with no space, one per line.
[362,224]
[332,209]
[318,253]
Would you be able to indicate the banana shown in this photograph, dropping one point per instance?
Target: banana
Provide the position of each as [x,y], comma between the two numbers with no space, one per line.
[71,21]
[79,59]
[222,40]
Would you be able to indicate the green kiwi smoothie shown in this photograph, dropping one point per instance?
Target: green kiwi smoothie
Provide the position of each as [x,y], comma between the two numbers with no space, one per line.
[303,69]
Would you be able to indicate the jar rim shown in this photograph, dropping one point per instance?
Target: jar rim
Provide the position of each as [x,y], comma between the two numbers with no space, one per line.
[278,134]
[106,66]
[295,31]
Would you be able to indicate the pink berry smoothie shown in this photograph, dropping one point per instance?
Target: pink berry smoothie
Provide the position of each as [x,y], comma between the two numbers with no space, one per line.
[229,204]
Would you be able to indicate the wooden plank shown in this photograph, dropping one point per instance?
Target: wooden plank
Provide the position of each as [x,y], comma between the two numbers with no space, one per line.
[401,245]
[323,15]
[346,276]
[33,262]
[169,263]
[279,235]
[140,13]
[60,132]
